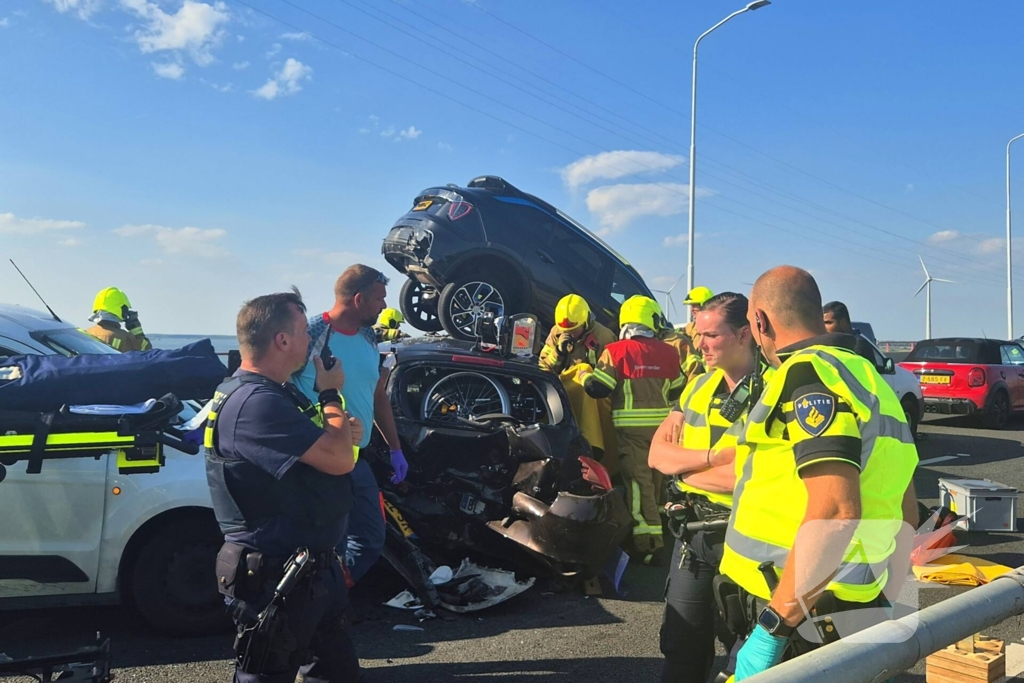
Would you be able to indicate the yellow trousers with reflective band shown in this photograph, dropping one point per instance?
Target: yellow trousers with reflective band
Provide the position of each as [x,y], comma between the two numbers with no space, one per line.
[644,487]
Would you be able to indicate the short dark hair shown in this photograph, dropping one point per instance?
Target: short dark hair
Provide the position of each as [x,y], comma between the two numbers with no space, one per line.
[357,279]
[837,309]
[733,307]
[263,318]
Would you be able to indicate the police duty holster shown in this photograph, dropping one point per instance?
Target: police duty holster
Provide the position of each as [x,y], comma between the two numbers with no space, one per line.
[265,642]
[689,513]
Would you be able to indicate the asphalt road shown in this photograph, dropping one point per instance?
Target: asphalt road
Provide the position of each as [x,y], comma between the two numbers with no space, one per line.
[541,635]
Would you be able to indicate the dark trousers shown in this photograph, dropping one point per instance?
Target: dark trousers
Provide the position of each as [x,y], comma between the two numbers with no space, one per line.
[688,626]
[315,618]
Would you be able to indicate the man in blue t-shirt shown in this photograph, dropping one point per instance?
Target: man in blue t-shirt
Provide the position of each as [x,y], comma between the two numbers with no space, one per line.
[278,481]
[347,331]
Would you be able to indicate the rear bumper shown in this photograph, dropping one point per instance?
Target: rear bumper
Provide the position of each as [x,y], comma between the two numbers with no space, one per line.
[949,406]
[407,249]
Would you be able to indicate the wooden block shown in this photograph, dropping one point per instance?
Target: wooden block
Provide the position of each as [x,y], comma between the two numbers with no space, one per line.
[966,666]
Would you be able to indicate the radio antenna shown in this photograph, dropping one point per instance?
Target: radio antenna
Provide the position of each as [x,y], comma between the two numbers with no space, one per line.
[34,290]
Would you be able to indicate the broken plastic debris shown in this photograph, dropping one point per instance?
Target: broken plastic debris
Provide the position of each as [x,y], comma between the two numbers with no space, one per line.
[424,614]
[405,600]
[441,575]
[474,588]
[406,627]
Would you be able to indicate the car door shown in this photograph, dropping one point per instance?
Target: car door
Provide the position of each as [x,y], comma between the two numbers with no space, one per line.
[52,521]
[1012,358]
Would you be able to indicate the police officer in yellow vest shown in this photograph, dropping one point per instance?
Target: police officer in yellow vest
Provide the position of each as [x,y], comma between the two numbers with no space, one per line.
[110,308]
[696,445]
[824,483]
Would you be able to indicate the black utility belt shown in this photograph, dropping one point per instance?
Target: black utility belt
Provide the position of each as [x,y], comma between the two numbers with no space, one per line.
[242,570]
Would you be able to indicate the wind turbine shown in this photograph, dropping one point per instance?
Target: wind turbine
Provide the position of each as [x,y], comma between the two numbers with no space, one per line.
[927,286]
[670,306]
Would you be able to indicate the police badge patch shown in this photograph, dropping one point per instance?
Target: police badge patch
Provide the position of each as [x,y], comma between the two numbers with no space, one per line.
[815,412]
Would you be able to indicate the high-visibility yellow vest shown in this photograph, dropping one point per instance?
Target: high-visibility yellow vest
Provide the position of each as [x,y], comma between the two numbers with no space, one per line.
[770,500]
[705,427]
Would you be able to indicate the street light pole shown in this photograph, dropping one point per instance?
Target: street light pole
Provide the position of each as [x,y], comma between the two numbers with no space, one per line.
[1010,270]
[757,4]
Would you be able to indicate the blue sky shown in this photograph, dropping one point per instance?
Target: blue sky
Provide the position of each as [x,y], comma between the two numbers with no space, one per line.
[197,154]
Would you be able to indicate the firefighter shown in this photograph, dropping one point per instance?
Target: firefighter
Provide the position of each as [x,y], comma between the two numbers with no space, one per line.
[824,486]
[387,325]
[110,308]
[576,341]
[641,375]
[693,364]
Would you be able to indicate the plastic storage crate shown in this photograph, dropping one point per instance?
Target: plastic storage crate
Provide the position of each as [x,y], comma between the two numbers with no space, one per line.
[982,504]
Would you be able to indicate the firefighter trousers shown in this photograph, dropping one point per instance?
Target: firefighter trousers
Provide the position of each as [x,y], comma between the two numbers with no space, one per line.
[644,487]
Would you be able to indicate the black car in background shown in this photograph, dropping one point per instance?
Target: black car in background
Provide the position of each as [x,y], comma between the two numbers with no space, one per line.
[490,246]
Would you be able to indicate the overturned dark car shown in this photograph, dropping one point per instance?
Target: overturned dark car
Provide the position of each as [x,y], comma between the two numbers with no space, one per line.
[496,468]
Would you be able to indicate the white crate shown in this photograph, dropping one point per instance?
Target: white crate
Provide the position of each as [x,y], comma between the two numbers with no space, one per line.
[983,505]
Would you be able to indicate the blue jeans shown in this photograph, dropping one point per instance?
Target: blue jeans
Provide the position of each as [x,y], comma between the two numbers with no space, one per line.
[364,539]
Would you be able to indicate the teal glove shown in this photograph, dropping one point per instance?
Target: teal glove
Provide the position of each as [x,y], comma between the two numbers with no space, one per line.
[760,652]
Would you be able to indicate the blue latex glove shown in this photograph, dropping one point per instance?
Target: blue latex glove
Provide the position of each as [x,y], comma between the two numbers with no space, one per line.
[400,466]
[760,652]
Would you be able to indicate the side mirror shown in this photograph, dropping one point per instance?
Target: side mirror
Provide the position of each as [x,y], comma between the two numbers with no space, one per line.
[890,367]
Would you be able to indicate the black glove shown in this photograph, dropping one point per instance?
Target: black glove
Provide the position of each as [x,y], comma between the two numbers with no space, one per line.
[565,345]
[131,320]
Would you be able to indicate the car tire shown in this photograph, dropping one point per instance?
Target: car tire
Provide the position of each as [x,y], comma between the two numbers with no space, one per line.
[912,413]
[997,412]
[173,580]
[419,310]
[464,299]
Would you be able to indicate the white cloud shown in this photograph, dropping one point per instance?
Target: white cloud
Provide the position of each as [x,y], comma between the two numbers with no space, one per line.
[274,50]
[297,35]
[612,165]
[195,28]
[410,133]
[616,206]
[12,225]
[240,66]
[170,70]
[187,240]
[444,147]
[287,81]
[228,87]
[388,132]
[679,240]
[909,188]
[990,245]
[943,236]
[70,242]
[5,22]
[83,8]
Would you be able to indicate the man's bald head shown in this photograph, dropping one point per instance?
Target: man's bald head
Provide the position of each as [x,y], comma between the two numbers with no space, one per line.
[790,298]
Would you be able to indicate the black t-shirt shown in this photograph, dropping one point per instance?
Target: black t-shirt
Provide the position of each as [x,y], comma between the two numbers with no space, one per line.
[262,425]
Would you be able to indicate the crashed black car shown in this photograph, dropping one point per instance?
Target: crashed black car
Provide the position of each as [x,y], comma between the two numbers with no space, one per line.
[494,467]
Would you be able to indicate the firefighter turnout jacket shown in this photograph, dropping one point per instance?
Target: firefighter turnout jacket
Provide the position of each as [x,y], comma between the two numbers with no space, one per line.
[561,350]
[824,403]
[114,336]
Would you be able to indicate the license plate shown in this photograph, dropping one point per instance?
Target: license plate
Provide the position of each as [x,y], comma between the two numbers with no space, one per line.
[935,379]
[424,205]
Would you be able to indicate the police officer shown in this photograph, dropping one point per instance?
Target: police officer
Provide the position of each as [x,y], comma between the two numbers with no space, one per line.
[277,475]
[697,441]
[824,473]
[110,309]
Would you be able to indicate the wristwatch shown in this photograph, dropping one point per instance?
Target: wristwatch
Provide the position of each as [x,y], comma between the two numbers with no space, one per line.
[329,396]
[771,621]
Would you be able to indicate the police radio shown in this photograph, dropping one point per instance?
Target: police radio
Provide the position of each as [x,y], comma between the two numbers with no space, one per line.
[745,393]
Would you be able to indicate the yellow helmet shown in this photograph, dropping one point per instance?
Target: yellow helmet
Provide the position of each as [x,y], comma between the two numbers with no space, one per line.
[641,310]
[111,300]
[698,296]
[390,318]
[571,312]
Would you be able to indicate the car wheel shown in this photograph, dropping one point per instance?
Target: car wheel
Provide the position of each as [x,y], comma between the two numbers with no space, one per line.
[173,580]
[419,306]
[910,410]
[997,413]
[466,299]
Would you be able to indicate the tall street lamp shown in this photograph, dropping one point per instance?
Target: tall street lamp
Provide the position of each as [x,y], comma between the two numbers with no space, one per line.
[1010,271]
[757,4]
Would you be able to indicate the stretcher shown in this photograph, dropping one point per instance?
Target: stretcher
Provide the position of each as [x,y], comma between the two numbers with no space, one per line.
[138,439]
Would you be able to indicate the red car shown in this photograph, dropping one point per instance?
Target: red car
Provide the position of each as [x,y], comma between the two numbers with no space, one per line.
[964,376]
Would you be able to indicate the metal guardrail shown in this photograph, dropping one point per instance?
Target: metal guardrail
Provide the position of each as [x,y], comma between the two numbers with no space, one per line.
[882,651]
